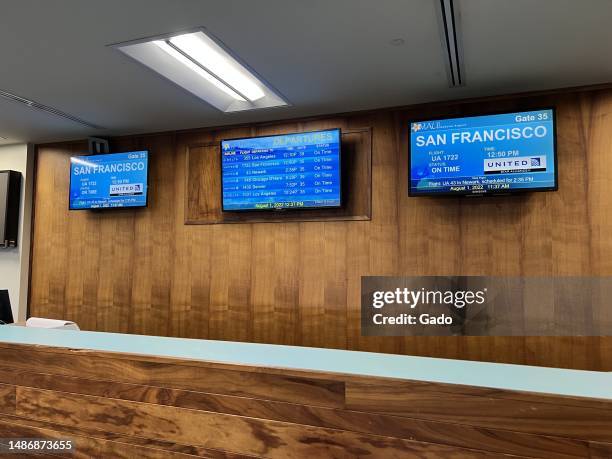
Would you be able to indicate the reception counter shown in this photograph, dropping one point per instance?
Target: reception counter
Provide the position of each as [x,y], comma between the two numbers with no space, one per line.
[141,396]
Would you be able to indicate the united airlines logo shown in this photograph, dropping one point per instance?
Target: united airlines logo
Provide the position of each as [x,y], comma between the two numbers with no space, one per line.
[126,189]
[515,164]
[416,127]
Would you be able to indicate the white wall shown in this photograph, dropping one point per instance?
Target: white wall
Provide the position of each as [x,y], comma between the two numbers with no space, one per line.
[15,262]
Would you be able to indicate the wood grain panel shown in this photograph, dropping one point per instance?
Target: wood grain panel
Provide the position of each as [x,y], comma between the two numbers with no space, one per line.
[275,317]
[204,184]
[600,450]
[536,418]
[85,447]
[145,271]
[121,405]
[240,434]
[91,443]
[7,399]
[319,392]
[452,434]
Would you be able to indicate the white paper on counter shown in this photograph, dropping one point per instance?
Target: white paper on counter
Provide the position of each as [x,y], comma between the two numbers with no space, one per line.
[39,322]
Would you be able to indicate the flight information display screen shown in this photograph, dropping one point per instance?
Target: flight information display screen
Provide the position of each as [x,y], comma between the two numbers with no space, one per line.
[289,171]
[490,154]
[109,181]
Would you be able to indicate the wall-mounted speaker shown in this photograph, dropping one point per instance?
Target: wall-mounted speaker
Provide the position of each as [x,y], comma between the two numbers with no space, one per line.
[6,314]
[10,200]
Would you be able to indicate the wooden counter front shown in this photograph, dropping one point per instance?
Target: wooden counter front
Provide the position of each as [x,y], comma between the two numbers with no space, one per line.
[125,406]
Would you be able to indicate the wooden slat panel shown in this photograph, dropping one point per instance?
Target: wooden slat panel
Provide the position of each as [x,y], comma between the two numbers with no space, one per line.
[83,284]
[428,388]
[178,406]
[191,283]
[52,219]
[257,385]
[240,434]
[203,184]
[230,282]
[383,232]
[463,436]
[544,419]
[85,447]
[413,386]
[140,360]
[275,318]
[92,443]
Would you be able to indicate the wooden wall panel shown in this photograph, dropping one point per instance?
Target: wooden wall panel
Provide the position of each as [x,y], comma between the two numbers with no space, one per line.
[145,271]
[124,406]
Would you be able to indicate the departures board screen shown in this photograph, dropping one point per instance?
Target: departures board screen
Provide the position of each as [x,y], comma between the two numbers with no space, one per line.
[480,155]
[282,172]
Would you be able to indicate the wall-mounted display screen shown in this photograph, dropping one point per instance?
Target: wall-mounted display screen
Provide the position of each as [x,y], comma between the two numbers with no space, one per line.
[289,171]
[479,155]
[109,181]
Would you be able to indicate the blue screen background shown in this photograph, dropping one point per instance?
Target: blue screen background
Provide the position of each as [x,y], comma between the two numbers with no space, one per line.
[282,172]
[433,168]
[104,181]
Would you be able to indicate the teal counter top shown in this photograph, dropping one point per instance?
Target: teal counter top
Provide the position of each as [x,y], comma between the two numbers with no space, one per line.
[576,383]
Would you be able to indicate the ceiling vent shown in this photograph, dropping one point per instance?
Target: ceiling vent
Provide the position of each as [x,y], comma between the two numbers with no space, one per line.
[47,109]
[448,21]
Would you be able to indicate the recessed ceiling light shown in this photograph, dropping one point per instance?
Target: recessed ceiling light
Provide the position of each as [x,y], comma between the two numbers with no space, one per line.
[196,68]
[199,64]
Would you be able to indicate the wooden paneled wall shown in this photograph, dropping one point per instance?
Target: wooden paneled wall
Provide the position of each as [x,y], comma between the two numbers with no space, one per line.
[145,271]
[126,406]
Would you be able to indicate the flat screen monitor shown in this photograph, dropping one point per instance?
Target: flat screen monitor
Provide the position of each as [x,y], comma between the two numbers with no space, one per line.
[109,181]
[282,172]
[483,155]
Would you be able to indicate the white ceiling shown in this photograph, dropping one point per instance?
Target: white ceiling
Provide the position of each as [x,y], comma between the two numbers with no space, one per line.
[324,56]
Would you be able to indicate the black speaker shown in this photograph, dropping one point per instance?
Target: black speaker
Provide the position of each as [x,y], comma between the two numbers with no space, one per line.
[6,314]
[10,200]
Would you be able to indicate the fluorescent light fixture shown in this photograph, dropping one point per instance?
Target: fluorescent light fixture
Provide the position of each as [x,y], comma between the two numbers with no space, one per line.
[197,69]
[202,49]
[199,64]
